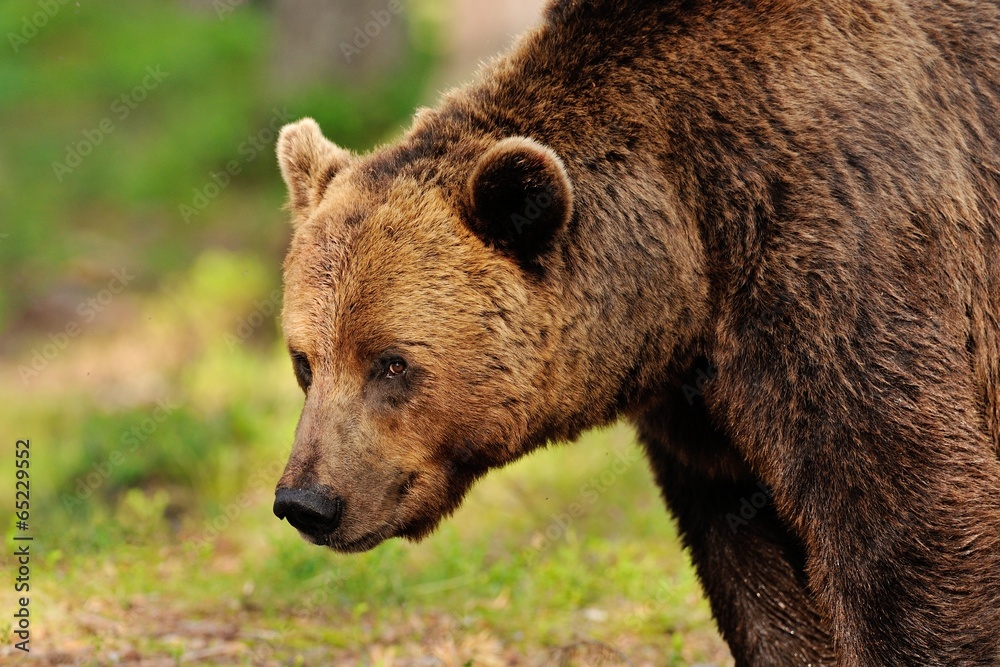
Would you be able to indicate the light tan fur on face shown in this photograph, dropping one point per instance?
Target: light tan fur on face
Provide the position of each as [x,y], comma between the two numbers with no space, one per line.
[368,272]
[392,255]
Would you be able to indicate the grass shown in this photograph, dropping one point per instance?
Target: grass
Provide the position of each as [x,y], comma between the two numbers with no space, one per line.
[154,541]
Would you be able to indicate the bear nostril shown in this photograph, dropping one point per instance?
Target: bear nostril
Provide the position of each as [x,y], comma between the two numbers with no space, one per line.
[314,511]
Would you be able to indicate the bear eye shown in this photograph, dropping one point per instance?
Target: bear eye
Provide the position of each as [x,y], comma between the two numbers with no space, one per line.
[394,368]
[303,371]
[392,380]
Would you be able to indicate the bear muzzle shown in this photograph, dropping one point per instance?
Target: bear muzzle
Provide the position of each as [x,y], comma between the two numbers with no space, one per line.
[314,511]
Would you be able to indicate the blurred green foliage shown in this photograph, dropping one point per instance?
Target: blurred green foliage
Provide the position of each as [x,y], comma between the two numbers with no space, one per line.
[79,91]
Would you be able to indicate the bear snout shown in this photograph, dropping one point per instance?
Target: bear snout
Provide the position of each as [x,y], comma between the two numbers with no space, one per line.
[315,511]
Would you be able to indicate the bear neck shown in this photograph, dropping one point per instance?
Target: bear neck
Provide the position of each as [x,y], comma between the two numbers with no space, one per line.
[630,268]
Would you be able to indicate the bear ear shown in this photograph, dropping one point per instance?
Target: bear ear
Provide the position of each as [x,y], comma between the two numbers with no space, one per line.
[308,162]
[521,197]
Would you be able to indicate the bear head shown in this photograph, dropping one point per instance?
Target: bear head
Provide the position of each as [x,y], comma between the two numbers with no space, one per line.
[420,319]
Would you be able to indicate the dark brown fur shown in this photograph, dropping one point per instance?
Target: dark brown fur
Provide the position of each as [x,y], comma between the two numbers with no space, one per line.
[804,196]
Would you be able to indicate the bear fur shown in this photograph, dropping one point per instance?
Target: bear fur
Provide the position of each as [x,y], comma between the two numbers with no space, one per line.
[795,205]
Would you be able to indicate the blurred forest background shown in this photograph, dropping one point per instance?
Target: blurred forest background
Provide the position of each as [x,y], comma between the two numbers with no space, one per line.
[141,237]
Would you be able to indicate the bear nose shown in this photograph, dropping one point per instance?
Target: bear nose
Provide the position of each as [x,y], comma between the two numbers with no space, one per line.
[313,511]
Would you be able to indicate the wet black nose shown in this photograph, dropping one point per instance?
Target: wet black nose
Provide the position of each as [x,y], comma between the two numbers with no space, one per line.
[314,511]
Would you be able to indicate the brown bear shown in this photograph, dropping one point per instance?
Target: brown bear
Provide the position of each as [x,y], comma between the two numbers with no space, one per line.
[794,204]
